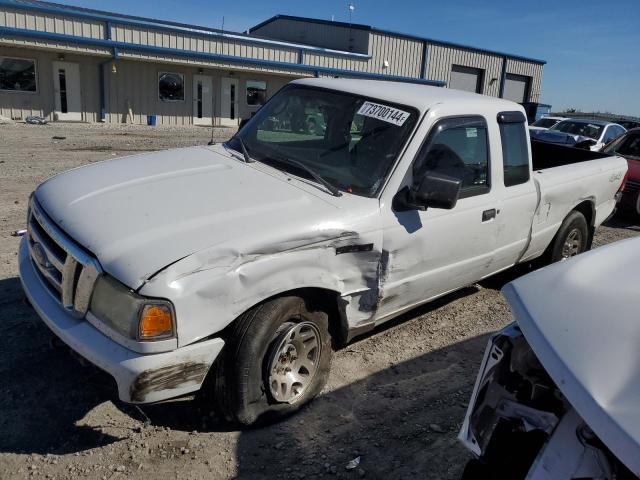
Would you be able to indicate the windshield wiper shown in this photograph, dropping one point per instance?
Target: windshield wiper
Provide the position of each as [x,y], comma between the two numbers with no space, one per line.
[245,154]
[332,189]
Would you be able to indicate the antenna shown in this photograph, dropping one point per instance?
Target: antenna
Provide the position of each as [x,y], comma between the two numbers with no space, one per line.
[351,9]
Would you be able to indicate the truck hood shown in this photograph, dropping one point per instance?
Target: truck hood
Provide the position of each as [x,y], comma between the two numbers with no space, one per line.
[138,214]
[581,319]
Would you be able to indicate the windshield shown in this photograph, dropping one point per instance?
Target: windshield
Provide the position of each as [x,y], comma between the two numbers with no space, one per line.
[584,129]
[544,123]
[350,141]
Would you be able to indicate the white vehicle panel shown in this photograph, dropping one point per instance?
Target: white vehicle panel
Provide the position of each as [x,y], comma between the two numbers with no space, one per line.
[588,346]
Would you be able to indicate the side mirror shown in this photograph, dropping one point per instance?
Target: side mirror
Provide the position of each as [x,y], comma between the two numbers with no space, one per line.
[434,190]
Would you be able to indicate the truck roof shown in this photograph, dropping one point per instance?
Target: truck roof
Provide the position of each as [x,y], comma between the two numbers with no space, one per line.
[422,97]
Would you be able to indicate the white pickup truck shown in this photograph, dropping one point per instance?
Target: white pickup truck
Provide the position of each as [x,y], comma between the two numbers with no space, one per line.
[234,269]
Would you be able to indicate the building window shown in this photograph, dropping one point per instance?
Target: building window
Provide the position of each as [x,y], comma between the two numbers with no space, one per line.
[171,87]
[17,75]
[256,92]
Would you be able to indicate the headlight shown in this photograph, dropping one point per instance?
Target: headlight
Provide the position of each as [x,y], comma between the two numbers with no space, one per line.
[130,314]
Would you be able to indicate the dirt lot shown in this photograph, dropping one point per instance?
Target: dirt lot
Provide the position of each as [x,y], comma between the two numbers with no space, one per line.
[395,398]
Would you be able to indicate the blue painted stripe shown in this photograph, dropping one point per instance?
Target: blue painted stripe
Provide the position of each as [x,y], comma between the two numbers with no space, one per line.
[205,32]
[115,46]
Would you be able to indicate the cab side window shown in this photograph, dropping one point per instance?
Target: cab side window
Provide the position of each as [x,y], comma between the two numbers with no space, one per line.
[515,154]
[457,147]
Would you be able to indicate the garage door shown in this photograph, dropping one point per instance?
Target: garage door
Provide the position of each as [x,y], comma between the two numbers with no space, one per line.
[516,88]
[466,78]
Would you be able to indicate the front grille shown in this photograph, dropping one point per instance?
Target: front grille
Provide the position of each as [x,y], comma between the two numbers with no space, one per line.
[68,272]
[632,186]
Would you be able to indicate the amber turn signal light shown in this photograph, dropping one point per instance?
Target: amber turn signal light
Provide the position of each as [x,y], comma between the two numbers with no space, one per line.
[156,321]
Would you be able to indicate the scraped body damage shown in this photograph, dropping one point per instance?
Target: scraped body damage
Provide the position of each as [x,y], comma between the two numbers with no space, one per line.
[214,286]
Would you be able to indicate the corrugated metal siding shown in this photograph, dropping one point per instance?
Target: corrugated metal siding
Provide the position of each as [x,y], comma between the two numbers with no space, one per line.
[529,69]
[343,63]
[176,59]
[404,55]
[202,43]
[51,23]
[52,45]
[334,37]
[441,58]
[20,105]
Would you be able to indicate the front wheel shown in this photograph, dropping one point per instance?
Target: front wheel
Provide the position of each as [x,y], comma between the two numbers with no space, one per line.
[572,237]
[276,359]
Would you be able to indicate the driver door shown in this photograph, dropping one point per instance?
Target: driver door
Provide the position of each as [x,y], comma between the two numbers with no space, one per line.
[429,253]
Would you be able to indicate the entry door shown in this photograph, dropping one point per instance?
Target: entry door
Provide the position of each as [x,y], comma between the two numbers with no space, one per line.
[436,251]
[229,102]
[66,88]
[202,100]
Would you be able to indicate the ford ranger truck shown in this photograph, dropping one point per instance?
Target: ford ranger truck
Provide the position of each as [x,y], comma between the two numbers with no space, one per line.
[234,269]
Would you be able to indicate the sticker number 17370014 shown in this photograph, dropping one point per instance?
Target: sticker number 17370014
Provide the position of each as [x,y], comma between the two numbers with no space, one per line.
[384,113]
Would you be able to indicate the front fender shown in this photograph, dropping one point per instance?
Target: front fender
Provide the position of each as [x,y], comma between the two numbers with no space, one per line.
[210,290]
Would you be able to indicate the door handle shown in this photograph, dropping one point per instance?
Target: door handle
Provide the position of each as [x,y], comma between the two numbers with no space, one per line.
[488,215]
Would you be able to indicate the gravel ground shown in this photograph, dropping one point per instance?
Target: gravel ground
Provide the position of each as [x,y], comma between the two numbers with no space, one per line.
[395,398]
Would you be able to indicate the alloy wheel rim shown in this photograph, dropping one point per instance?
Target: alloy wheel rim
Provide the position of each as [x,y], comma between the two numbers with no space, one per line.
[294,362]
[572,244]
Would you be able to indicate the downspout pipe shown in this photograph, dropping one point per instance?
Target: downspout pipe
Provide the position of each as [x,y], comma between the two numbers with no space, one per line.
[503,77]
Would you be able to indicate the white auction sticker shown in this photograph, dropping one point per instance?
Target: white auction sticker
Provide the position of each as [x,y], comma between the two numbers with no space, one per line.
[384,113]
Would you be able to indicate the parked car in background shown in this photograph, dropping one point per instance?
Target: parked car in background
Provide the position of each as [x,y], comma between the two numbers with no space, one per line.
[592,134]
[629,124]
[628,146]
[545,123]
[556,397]
[243,263]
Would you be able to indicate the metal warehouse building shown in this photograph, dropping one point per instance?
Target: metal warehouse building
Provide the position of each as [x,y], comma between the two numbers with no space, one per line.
[73,64]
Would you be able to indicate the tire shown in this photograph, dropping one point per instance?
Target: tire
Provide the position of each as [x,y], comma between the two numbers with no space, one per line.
[572,238]
[246,389]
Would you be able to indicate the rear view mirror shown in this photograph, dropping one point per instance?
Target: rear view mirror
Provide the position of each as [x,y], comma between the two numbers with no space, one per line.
[434,190]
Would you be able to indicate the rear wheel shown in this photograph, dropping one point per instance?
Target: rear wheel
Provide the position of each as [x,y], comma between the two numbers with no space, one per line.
[276,359]
[572,238]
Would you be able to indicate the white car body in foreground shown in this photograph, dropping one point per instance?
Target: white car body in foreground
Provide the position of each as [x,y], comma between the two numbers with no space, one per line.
[212,237]
[579,319]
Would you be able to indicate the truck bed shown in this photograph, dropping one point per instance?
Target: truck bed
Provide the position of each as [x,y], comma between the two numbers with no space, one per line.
[548,155]
[566,177]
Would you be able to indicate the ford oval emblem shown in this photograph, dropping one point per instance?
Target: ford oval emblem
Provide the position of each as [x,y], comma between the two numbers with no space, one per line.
[40,256]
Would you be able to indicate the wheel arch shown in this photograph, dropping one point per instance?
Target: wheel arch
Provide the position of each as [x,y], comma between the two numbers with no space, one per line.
[588,209]
[316,298]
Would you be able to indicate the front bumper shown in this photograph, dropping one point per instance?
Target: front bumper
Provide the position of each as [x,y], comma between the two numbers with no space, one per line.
[140,378]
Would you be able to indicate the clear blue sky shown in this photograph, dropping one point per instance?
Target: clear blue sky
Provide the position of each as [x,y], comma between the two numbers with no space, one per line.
[592,47]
